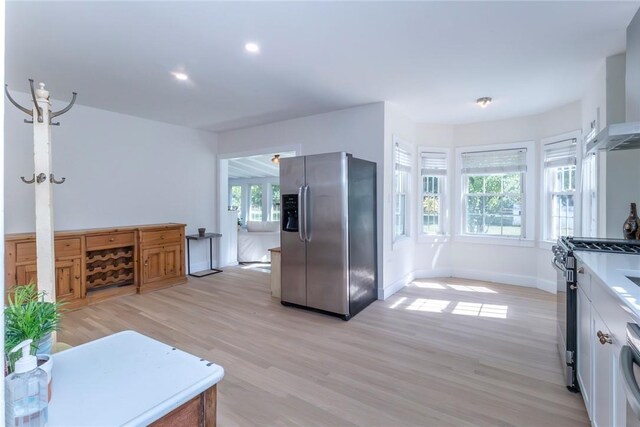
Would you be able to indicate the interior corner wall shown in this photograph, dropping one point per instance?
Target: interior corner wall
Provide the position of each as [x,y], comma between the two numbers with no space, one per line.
[398,256]
[526,266]
[433,258]
[358,130]
[120,170]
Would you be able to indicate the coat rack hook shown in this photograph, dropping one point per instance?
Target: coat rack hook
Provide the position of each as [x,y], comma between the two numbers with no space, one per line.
[29,181]
[13,101]
[67,108]
[53,179]
[35,102]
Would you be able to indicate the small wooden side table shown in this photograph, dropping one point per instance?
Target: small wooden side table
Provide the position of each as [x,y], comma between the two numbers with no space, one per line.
[211,270]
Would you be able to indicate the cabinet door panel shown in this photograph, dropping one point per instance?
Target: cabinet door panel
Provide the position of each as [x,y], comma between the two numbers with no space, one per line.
[68,280]
[171,261]
[26,274]
[603,375]
[585,339]
[154,265]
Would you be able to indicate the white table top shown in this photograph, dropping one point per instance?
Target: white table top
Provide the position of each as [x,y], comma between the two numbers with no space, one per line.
[612,270]
[125,379]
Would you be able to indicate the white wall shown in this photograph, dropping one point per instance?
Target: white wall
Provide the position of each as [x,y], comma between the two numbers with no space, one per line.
[527,266]
[120,170]
[604,101]
[357,130]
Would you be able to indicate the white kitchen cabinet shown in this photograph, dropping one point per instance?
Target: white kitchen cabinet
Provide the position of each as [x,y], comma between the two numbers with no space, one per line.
[585,341]
[600,314]
[604,376]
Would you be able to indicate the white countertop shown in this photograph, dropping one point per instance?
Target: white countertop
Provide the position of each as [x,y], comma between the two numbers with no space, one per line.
[612,270]
[125,379]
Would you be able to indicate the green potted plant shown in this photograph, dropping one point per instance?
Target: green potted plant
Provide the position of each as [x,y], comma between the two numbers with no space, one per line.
[28,316]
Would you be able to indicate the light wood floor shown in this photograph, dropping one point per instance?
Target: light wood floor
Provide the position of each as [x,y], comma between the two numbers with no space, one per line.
[444,352]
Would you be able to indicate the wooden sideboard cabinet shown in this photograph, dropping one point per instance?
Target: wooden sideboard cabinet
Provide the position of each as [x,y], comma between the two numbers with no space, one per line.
[93,265]
[162,258]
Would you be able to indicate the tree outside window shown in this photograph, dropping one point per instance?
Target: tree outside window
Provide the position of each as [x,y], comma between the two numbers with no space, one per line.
[275,202]
[431,223]
[255,202]
[494,204]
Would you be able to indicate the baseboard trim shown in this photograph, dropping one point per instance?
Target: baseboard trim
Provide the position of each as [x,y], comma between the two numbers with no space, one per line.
[508,279]
[430,274]
[547,286]
[487,276]
[387,291]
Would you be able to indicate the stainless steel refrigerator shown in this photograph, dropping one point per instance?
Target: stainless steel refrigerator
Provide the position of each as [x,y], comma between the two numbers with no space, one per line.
[328,233]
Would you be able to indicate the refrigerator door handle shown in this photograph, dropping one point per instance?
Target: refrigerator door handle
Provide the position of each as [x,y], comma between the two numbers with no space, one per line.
[301,210]
[307,234]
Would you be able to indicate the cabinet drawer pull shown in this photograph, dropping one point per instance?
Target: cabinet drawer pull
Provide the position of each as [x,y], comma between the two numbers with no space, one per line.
[604,338]
[112,239]
[581,270]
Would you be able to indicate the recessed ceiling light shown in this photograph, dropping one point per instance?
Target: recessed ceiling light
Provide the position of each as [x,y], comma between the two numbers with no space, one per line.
[484,101]
[252,47]
[180,76]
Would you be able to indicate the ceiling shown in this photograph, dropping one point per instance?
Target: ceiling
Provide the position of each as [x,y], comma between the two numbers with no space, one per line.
[431,59]
[255,166]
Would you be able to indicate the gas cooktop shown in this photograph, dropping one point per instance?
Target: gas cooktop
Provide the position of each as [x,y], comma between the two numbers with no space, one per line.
[601,245]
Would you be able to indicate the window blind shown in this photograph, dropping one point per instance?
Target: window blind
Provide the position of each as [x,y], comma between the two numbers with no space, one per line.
[402,159]
[556,155]
[495,161]
[433,164]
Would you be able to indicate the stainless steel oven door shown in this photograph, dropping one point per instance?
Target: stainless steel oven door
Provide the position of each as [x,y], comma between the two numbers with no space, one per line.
[561,313]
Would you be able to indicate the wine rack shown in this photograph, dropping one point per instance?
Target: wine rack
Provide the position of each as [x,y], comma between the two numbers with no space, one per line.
[110,268]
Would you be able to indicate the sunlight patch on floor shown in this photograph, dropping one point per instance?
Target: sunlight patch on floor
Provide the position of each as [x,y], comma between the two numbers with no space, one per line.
[257,266]
[466,288]
[397,303]
[430,305]
[481,310]
[428,285]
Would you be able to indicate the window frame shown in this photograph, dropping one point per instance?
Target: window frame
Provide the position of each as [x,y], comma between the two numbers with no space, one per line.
[407,148]
[444,193]
[266,183]
[545,188]
[528,197]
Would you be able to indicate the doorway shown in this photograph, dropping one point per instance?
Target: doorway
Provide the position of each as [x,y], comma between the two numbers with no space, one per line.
[250,207]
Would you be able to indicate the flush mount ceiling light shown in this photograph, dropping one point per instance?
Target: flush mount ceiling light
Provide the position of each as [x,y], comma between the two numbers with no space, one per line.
[180,76]
[276,158]
[252,47]
[484,101]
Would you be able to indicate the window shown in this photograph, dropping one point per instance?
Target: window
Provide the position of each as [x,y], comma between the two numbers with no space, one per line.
[590,196]
[275,202]
[493,186]
[560,183]
[235,199]
[433,171]
[401,188]
[255,202]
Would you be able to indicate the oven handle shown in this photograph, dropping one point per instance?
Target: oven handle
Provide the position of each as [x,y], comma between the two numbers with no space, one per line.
[558,266]
[627,359]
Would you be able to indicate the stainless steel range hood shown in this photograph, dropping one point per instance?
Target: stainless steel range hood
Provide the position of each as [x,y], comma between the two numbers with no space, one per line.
[625,136]
[620,136]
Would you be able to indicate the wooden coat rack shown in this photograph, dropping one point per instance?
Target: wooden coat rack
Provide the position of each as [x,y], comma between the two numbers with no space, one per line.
[41,116]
